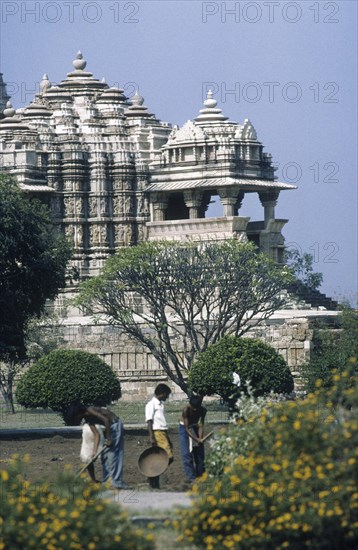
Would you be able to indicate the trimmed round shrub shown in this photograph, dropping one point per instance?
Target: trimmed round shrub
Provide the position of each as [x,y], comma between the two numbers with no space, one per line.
[253,360]
[64,376]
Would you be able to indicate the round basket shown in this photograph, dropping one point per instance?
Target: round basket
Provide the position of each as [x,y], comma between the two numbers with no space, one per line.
[153,462]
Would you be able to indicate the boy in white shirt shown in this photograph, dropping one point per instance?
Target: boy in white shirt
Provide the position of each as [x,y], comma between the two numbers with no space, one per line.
[157,425]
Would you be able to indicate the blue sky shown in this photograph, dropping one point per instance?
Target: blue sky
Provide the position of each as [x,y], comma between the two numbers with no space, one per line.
[290,67]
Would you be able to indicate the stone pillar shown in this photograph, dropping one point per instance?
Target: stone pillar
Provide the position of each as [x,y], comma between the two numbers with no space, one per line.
[231,200]
[159,203]
[193,200]
[269,201]
[238,204]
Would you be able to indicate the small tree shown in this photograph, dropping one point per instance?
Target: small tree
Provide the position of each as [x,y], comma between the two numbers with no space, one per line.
[64,376]
[301,265]
[253,360]
[178,298]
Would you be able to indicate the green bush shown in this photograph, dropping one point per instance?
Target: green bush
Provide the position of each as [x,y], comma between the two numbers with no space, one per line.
[333,349]
[255,361]
[294,486]
[68,513]
[64,376]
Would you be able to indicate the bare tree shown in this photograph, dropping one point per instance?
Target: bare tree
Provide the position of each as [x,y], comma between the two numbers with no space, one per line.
[178,298]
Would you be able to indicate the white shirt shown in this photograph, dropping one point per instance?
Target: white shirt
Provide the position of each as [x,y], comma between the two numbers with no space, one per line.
[154,410]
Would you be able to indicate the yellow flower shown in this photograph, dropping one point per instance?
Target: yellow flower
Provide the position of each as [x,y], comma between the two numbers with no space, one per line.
[297,425]
[235,480]
[31,519]
[4,475]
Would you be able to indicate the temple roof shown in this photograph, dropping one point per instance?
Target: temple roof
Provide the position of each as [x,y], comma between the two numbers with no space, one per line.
[248,184]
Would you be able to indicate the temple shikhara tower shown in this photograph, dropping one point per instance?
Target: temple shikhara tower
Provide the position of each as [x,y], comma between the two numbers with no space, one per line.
[115,175]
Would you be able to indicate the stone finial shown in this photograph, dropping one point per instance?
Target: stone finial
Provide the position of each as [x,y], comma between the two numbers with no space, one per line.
[9,111]
[137,99]
[45,84]
[210,102]
[137,109]
[79,63]
[210,113]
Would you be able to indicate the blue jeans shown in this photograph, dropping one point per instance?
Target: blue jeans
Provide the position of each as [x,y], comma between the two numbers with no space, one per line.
[113,457]
[193,462]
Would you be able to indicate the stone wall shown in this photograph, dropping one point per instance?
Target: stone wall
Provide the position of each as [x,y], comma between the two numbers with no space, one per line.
[289,332]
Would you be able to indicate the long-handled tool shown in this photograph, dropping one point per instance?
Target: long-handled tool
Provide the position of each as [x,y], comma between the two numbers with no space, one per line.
[207,436]
[98,453]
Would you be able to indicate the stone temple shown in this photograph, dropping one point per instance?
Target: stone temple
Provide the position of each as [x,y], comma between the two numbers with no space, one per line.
[114,175]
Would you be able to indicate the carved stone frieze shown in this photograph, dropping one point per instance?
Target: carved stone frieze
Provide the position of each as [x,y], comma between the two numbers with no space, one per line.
[98,234]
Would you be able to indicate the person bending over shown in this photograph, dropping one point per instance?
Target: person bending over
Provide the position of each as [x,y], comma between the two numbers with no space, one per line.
[113,456]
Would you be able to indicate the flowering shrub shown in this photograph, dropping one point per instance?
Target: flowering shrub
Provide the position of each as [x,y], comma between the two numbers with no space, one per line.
[293,486]
[226,446]
[67,515]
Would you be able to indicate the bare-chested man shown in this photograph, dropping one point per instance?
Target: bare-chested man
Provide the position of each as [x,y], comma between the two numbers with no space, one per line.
[112,458]
[191,432]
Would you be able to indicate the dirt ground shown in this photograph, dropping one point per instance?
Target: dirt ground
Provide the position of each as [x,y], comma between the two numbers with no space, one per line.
[48,455]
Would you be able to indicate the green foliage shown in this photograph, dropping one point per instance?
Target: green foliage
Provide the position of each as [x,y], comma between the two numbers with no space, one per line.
[178,298]
[33,259]
[293,486]
[42,335]
[301,266]
[333,349]
[68,513]
[253,360]
[64,376]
